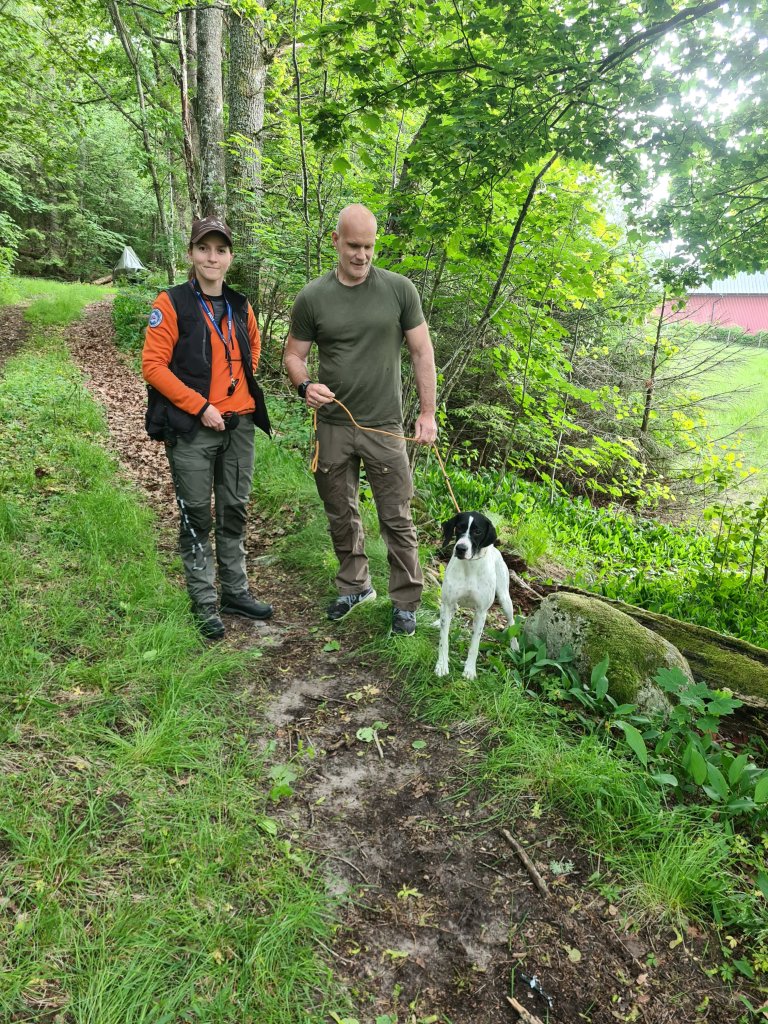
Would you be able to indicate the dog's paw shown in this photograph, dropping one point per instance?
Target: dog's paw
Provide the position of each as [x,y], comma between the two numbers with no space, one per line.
[469,672]
[441,668]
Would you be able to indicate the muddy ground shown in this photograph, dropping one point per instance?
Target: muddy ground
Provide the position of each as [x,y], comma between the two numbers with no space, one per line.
[441,920]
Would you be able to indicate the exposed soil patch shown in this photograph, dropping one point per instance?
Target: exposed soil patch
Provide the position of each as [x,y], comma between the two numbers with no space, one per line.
[441,921]
[13,331]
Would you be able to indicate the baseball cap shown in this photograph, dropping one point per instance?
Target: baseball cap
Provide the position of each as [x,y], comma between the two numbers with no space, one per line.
[205,225]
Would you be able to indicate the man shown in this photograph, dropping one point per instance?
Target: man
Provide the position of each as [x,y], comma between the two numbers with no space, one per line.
[358,315]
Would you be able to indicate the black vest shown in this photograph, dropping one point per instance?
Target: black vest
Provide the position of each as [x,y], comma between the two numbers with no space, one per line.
[192,360]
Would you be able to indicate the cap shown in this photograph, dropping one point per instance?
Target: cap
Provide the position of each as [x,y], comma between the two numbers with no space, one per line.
[205,226]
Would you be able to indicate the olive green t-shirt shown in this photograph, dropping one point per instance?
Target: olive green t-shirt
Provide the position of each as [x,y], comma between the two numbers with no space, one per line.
[359,335]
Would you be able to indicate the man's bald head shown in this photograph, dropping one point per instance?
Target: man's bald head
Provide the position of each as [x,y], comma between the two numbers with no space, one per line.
[355,217]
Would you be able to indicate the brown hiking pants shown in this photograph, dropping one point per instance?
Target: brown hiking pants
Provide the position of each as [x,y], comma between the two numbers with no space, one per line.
[343,447]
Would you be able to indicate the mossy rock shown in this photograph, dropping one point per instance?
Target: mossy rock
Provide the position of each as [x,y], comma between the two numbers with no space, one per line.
[593,629]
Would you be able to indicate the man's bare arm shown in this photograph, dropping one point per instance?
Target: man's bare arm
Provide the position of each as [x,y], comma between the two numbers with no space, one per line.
[423,358]
[295,362]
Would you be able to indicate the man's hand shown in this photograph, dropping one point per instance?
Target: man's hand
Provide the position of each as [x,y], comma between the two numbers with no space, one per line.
[212,418]
[317,395]
[426,429]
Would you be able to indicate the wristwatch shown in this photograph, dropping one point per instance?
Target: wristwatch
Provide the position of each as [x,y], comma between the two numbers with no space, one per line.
[302,388]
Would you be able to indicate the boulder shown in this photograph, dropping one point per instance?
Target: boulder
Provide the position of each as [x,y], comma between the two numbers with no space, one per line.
[593,629]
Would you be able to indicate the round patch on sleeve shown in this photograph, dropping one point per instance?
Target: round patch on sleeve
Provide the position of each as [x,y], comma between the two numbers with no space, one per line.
[155,318]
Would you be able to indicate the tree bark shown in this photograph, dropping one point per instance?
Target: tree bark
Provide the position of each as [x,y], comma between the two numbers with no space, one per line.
[191,157]
[247,78]
[650,384]
[210,105]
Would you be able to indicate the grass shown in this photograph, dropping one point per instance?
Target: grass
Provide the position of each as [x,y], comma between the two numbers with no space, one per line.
[664,864]
[142,876]
[744,408]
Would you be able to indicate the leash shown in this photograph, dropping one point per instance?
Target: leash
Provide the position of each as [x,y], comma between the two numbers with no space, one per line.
[378,430]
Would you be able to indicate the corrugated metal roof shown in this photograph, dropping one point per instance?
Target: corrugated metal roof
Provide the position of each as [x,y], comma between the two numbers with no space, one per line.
[741,284]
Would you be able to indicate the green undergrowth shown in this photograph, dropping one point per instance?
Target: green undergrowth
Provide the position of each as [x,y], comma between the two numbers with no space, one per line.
[707,572]
[664,858]
[141,875]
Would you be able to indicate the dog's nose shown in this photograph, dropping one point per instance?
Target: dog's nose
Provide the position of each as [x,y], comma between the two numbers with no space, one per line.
[462,550]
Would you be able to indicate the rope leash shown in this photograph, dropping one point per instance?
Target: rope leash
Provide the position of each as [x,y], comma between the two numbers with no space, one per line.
[378,430]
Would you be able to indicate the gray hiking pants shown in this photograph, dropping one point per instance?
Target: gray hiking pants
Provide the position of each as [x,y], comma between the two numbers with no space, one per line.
[219,463]
[342,449]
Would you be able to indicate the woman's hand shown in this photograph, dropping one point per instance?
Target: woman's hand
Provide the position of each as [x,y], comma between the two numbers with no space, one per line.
[212,419]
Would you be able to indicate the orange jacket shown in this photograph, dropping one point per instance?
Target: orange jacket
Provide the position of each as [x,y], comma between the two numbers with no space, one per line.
[160,341]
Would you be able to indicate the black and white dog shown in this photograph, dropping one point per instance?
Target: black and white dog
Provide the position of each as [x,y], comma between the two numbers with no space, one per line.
[475,575]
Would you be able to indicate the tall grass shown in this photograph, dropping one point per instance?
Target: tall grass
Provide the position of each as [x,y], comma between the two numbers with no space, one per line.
[743,409]
[142,876]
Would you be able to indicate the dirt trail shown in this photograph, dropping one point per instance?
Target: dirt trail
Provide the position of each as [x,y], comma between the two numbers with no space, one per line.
[440,919]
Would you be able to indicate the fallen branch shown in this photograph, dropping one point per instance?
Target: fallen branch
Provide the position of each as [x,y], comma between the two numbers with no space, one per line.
[525,1015]
[528,864]
[520,582]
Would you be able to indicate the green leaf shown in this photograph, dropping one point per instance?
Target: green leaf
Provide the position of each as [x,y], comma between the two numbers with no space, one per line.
[341,165]
[745,967]
[762,883]
[599,679]
[665,779]
[761,789]
[419,744]
[332,645]
[717,781]
[697,766]
[635,741]
[736,770]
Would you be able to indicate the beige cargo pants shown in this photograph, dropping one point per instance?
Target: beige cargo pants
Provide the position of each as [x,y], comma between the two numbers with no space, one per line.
[343,447]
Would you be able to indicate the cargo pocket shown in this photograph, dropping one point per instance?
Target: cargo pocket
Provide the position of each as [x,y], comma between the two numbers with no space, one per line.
[392,485]
[332,483]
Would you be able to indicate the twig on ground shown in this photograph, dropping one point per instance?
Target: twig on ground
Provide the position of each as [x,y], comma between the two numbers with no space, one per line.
[520,582]
[335,856]
[525,1015]
[378,745]
[528,864]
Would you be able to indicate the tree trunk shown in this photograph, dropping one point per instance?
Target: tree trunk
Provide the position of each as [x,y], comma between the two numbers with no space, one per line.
[191,156]
[650,384]
[210,106]
[247,77]
[302,151]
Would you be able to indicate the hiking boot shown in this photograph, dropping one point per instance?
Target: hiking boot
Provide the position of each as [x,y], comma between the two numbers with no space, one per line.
[208,622]
[338,609]
[246,606]
[403,622]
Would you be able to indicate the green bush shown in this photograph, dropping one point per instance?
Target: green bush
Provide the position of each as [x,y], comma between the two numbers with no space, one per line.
[130,311]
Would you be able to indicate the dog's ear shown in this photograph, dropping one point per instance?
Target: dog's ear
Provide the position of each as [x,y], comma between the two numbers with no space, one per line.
[448,527]
[489,537]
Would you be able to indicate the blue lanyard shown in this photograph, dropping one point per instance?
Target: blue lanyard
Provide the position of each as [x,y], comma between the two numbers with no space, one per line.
[212,319]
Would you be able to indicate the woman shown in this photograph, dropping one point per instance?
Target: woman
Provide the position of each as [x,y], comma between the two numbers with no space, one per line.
[201,349]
